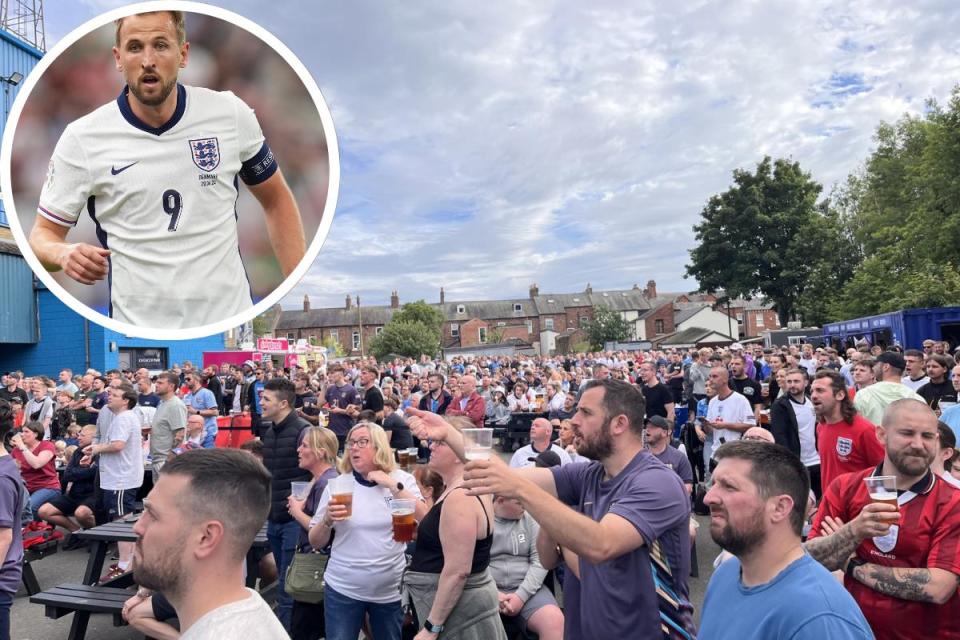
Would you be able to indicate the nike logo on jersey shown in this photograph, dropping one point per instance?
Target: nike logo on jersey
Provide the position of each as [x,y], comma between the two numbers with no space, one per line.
[122,169]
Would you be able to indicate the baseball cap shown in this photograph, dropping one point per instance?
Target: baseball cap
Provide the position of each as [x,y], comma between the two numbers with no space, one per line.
[251,364]
[893,359]
[546,459]
[736,346]
[658,421]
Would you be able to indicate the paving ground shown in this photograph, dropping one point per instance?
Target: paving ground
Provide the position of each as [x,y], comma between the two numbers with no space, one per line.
[29,623]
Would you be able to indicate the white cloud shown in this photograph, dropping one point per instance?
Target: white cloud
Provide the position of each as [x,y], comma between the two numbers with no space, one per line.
[489,146]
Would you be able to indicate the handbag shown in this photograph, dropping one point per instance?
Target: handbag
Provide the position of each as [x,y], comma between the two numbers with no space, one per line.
[304,578]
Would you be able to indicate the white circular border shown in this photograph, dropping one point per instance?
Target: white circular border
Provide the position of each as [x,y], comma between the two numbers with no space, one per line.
[284,287]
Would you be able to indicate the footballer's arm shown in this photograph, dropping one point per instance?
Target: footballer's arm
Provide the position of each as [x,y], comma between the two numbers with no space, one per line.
[283,221]
[84,263]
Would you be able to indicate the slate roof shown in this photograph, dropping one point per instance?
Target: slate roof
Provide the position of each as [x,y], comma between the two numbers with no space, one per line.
[693,335]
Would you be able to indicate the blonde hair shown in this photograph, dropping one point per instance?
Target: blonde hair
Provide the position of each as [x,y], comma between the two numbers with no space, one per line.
[383,454]
[323,443]
[178,25]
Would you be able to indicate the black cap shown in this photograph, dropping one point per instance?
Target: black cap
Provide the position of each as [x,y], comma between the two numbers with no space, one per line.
[659,421]
[546,459]
[893,359]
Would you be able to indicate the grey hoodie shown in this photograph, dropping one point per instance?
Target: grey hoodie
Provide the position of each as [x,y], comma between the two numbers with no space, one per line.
[514,561]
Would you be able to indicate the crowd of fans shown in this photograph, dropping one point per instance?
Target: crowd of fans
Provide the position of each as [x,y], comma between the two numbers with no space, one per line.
[772,443]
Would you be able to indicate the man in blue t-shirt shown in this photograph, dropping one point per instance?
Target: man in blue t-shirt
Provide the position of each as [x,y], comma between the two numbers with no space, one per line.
[771,588]
[202,402]
[625,516]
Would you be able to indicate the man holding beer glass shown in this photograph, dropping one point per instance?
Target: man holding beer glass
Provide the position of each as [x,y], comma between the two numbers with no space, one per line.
[367,558]
[902,561]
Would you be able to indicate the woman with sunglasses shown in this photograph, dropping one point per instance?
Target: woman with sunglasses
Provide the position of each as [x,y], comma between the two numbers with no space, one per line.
[366,564]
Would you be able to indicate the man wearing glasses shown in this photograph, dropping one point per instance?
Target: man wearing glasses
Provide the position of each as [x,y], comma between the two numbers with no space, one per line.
[202,402]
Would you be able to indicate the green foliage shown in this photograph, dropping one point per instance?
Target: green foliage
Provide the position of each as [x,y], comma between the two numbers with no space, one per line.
[261,325]
[334,348]
[581,347]
[405,338]
[752,238]
[419,311]
[904,212]
[606,325]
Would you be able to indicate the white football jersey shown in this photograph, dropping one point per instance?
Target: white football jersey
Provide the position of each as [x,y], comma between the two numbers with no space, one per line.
[164,202]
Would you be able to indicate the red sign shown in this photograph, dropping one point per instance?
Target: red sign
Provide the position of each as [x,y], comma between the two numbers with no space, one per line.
[293,360]
[273,344]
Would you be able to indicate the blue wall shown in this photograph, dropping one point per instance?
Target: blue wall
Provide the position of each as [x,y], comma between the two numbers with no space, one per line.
[15,55]
[62,344]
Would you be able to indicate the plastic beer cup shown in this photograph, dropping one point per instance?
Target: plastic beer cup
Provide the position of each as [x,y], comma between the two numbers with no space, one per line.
[883,489]
[299,490]
[341,491]
[401,510]
[477,443]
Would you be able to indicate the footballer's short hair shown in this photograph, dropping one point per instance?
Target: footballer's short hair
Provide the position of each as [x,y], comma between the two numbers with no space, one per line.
[178,25]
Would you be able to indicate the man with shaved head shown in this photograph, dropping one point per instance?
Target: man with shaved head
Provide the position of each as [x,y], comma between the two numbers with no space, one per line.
[901,563]
[729,413]
[541,433]
[467,402]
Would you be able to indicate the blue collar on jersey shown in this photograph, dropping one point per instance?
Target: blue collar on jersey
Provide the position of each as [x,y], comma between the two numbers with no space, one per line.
[124,104]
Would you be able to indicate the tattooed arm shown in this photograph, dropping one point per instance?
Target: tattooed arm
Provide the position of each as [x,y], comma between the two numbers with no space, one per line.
[834,550]
[922,585]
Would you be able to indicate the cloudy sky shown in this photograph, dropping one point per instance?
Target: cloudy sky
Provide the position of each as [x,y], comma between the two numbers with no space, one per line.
[486,146]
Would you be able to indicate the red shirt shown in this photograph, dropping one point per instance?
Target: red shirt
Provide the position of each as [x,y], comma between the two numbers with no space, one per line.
[43,478]
[844,448]
[928,536]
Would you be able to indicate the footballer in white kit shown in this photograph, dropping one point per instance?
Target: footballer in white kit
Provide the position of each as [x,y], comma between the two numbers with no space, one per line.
[163,194]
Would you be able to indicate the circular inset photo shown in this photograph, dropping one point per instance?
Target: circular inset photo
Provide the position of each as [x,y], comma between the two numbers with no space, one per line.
[170,170]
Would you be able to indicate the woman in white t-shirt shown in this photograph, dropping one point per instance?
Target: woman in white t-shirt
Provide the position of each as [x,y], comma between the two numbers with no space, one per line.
[366,564]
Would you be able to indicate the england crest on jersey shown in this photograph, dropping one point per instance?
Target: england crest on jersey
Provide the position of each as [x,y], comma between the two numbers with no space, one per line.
[205,153]
[844,446]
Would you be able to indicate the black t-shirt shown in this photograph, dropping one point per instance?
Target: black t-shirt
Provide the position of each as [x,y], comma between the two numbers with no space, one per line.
[934,392]
[372,400]
[675,383]
[400,435]
[7,395]
[748,388]
[657,397]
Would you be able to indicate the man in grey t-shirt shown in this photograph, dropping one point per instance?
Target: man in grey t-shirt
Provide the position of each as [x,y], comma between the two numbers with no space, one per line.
[170,418]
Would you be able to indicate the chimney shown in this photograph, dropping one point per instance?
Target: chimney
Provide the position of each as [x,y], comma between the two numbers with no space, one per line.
[589,289]
[349,304]
[394,300]
[651,291]
[534,291]
[306,302]
[441,295]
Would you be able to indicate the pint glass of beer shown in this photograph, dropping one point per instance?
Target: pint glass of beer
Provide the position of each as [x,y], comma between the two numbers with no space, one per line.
[401,509]
[882,489]
[477,443]
[341,491]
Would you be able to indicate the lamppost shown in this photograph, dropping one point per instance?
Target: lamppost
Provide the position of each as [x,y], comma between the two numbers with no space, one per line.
[12,80]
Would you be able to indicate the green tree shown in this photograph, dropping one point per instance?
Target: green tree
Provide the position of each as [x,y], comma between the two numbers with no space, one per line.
[413,331]
[606,325]
[905,214]
[419,311]
[405,338]
[334,348]
[752,238]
